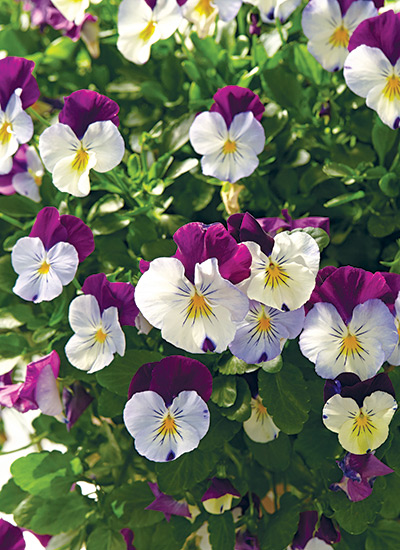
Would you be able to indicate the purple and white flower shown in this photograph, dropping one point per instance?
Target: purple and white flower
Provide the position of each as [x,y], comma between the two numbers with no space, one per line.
[86,137]
[260,427]
[275,9]
[309,537]
[18,91]
[329,24]
[73,10]
[372,68]
[219,496]
[230,136]
[25,176]
[359,412]
[203,13]
[167,411]
[48,259]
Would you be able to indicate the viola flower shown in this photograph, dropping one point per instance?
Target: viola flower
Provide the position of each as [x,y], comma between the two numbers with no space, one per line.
[360,472]
[329,24]
[25,176]
[356,333]
[167,505]
[308,537]
[142,23]
[393,281]
[372,68]
[359,412]
[72,10]
[18,91]
[273,225]
[261,335]
[203,13]
[75,400]
[96,319]
[167,411]
[48,259]
[39,391]
[86,137]
[219,496]
[230,136]
[260,427]
[275,9]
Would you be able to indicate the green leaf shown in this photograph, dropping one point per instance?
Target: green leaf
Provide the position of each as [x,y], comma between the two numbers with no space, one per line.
[12,345]
[384,535]
[7,274]
[131,500]
[19,206]
[220,430]
[316,450]
[308,66]
[391,505]
[343,199]
[383,139]
[272,366]
[285,395]
[337,170]
[319,235]
[222,531]
[274,456]
[277,531]
[109,223]
[224,391]
[241,409]
[11,496]
[389,185]
[157,537]
[381,226]
[233,366]
[103,538]
[110,404]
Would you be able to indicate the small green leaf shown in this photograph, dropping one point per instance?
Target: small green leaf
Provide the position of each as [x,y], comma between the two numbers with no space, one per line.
[224,391]
[103,538]
[241,409]
[383,139]
[337,170]
[11,496]
[132,500]
[389,185]
[222,531]
[343,199]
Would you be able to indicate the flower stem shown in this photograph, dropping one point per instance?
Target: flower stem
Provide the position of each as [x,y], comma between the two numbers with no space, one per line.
[34,113]
[11,220]
[33,442]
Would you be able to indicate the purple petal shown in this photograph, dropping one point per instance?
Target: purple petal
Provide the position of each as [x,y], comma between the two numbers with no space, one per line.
[27,397]
[345,4]
[43,13]
[351,386]
[142,379]
[119,295]
[219,488]
[151,3]
[9,394]
[11,537]
[246,541]
[167,505]
[358,490]
[19,165]
[84,107]
[248,228]
[75,400]
[232,100]
[368,466]
[327,531]
[128,538]
[16,72]
[379,32]
[79,235]
[393,282]
[305,530]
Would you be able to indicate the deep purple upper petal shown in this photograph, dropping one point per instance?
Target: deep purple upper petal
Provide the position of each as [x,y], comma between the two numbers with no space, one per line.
[232,100]
[358,490]
[380,32]
[128,538]
[305,530]
[272,225]
[368,466]
[11,537]
[16,72]
[75,400]
[327,531]
[244,227]
[219,488]
[119,295]
[350,385]
[84,107]
[167,505]
[172,375]
[79,235]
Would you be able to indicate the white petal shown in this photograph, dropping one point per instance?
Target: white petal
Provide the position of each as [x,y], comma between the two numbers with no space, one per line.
[32,286]
[357,12]
[103,139]
[84,315]
[47,395]
[317,544]
[33,161]
[115,335]
[73,10]
[70,180]
[134,49]
[86,354]
[260,427]
[228,9]
[284,8]
[330,57]
[63,259]
[7,149]
[337,411]
[247,132]
[24,184]
[27,254]
[56,143]
[133,17]
[320,19]
[6,163]
[22,126]
[387,109]
[365,68]
[208,133]
[168,16]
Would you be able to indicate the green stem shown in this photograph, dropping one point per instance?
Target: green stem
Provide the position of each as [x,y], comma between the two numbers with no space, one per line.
[32,112]
[279,28]
[229,451]
[11,220]
[76,284]
[33,442]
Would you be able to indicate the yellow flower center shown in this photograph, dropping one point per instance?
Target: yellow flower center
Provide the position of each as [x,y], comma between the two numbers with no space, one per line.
[264,322]
[100,336]
[5,133]
[44,268]
[392,89]
[340,38]
[148,31]
[229,147]
[80,161]
[275,275]
[168,426]
[198,307]
[204,8]
[362,423]
[36,179]
[350,345]
[261,411]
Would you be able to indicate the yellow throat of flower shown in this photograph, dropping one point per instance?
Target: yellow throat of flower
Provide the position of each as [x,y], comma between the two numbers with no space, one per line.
[168,426]
[44,268]
[81,160]
[204,8]
[275,275]
[101,336]
[340,38]
[229,147]
[5,132]
[148,31]
[392,89]
[198,307]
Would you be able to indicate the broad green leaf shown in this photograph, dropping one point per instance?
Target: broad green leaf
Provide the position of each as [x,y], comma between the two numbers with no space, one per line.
[241,409]
[221,429]
[224,391]
[389,184]
[275,455]
[277,530]
[391,505]
[110,404]
[233,366]
[384,535]
[222,531]
[316,450]
[156,537]
[10,496]
[308,65]
[130,502]
[103,538]
[380,225]
[383,138]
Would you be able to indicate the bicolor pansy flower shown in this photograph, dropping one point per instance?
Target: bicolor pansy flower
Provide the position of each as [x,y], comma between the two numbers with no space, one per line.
[48,259]
[275,9]
[18,91]
[329,24]
[219,496]
[167,505]
[230,136]
[359,412]
[167,411]
[203,13]
[96,318]
[356,333]
[359,474]
[73,10]
[25,176]
[261,335]
[314,533]
[86,137]
[142,23]
[260,427]
[372,68]
[38,391]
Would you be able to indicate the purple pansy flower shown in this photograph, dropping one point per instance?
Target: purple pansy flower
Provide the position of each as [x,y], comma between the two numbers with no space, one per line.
[167,505]
[11,537]
[360,472]
[372,68]
[230,136]
[359,411]
[48,259]
[349,329]
[25,176]
[75,400]
[18,91]
[128,538]
[219,496]
[166,413]
[273,225]
[39,391]
[307,532]
[86,137]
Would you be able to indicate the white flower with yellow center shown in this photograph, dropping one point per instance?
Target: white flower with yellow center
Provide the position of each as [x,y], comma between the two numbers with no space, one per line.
[70,159]
[98,336]
[360,429]
[285,279]
[202,13]
[329,30]
[16,127]
[275,9]
[73,10]
[42,273]
[195,317]
[229,153]
[139,27]
[260,427]
[360,347]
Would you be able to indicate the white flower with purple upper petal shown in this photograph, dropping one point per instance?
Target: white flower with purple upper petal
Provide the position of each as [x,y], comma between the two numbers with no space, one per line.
[275,9]
[230,136]
[329,24]
[314,532]
[48,259]
[25,176]
[219,496]
[86,137]
[142,23]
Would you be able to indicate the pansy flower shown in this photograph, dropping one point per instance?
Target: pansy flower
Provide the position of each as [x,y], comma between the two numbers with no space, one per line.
[359,412]
[73,10]
[142,23]
[25,176]
[167,505]
[313,534]
[86,137]
[349,328]
[48,259]
[260,427]
[372,68]
[96,318]
[75,400]
[203,13]
[219,496]
[329,24]
[275,9]
[230,136]
[18,91]
[38,391]
[167,411]
[246,541]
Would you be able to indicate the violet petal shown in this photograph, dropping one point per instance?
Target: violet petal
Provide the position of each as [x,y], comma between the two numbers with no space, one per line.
[16,72]
[232,100]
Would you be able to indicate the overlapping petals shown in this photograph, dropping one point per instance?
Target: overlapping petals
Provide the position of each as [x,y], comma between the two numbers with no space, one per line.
[275,9]
[72,10]
[260,427]
[314,533]
[219,496]
[25,176]
[167,505]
